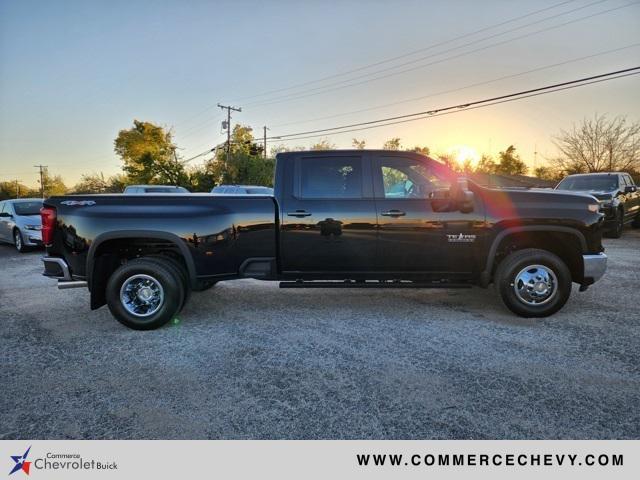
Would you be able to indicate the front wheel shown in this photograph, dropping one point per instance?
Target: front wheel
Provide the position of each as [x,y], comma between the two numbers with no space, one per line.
[533,282]
[618,225]
[144,294]
[17,241]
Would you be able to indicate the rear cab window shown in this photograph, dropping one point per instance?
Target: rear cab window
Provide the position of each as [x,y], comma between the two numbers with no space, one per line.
[329,177]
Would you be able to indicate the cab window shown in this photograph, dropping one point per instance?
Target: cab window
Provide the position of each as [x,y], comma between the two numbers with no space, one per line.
[409,178]
[330,177]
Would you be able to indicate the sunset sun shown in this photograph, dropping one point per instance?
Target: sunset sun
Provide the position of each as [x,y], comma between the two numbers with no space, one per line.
[464,153]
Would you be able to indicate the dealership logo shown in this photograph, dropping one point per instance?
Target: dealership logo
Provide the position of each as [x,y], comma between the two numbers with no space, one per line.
[461,238]
[59,461]
[21,462]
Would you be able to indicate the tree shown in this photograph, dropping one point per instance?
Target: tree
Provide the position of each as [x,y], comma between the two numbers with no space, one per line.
[245,165]
[90,183]
[449,161]
[96,183]
[283,148]
[421,150]
[8,190]
[599,144]
[358,144]
[392,144]
[324,144]
[486,165]
[547,173]
[510,163]
[149,155]
[53,184]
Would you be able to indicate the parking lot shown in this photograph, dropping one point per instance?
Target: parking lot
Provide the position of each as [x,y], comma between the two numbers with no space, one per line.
[250,360]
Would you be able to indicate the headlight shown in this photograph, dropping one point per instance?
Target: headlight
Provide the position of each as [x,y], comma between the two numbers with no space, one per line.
[33,227]
[593,207]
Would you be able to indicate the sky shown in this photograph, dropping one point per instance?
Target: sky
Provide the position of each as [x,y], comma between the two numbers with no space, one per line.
[72,74]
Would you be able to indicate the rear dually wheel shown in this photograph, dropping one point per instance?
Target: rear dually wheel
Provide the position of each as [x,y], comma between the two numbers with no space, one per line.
[144,294]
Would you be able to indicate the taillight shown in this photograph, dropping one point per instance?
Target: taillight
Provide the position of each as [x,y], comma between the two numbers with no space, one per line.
[48,215]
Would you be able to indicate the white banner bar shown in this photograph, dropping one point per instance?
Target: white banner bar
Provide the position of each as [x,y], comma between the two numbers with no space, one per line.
[284,459]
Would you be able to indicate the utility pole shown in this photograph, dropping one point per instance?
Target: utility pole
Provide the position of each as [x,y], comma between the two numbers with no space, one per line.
[535,158]
[264,144]
[17,188]
[229,108]
[42,170]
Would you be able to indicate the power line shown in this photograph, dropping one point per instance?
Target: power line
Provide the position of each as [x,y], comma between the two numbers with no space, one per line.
[337,86]
[405,55]
[464,110]
[429,47]
[200,155]
[459,107]
[457,89]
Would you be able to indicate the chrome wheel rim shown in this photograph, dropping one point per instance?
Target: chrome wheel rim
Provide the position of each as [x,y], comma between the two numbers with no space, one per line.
[141,295]
[18,240]
[535,285]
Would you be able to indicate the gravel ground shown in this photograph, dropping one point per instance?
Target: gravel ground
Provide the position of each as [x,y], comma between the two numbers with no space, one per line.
[249,360]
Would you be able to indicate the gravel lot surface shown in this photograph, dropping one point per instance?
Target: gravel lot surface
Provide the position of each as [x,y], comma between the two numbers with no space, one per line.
[250,360]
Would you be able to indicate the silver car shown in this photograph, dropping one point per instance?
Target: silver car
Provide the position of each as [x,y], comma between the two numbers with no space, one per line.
[20,222]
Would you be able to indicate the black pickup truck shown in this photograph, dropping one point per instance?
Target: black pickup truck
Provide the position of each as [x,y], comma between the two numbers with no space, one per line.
[338,219]
[617,193]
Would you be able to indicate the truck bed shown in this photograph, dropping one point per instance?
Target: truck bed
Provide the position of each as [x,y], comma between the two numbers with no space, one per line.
[218,232]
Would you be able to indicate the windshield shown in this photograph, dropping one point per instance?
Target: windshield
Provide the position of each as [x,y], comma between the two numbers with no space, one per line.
[602,183]
[27,208]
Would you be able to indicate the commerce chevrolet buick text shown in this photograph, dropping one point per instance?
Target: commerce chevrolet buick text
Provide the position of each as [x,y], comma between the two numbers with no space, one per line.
[337,219]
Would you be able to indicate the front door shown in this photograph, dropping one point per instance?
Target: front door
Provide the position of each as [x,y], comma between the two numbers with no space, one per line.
[328,215]
[419,230]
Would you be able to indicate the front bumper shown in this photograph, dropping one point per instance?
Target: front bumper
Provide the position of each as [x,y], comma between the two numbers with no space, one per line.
[31,238]
[594,267]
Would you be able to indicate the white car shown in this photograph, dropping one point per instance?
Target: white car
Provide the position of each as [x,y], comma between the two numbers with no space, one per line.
[20,223]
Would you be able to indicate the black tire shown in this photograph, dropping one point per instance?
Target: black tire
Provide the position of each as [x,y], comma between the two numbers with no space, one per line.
[18,241]
[179,270]
[514,267]
[618,225]
[160,274]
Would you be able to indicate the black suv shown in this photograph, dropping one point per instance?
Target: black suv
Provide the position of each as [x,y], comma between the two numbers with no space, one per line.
[617,193]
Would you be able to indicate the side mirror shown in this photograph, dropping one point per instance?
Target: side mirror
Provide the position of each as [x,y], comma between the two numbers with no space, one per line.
[630,189]
[463,196]
[6,215]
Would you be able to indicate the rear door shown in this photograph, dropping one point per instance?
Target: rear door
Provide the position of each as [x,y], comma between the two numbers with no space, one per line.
[328,217]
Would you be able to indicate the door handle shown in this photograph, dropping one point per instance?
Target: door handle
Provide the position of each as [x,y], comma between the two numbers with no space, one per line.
[393,213]
[299,214]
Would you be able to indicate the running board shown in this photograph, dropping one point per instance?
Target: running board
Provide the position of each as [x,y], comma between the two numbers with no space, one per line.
[374,284]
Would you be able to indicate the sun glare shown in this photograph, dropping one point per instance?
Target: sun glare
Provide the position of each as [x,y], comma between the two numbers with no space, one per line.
[463,154]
